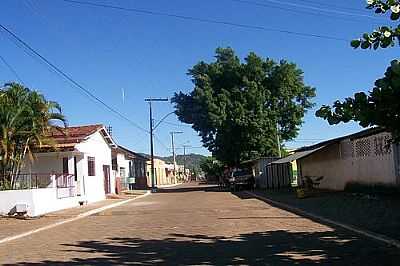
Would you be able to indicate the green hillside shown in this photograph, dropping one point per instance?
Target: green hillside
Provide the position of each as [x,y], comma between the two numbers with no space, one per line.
[192,160]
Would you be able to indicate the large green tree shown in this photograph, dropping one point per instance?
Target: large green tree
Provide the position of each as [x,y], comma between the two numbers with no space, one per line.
[25,120]
[239,108]
[381,105]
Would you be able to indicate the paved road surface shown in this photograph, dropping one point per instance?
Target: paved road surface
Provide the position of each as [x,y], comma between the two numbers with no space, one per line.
[196,225]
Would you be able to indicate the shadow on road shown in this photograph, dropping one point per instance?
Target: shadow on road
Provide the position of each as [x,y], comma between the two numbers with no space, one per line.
[258,248]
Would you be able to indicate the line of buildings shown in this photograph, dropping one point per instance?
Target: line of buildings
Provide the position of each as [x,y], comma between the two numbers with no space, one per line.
[84,165]
[367,158]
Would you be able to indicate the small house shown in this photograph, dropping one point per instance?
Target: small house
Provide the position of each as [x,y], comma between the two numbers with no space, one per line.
[367,157]
[129,169]
[77,168]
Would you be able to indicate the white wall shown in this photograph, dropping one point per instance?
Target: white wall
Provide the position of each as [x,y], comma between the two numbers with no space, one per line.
[122,162]
[10,198]
[95,146]
[39,201]
[340,164]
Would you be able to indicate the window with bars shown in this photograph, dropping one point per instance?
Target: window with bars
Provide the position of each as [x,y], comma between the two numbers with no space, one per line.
[91,166]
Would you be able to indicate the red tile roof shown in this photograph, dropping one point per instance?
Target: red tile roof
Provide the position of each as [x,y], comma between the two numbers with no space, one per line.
[67,138]
[73,134]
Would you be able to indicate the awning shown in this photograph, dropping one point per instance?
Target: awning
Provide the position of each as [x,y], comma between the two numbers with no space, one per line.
[297,155]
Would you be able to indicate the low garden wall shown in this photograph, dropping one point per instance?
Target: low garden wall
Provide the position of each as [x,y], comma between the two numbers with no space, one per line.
[39,201]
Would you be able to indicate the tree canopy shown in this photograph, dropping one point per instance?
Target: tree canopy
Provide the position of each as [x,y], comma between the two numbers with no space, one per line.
[381,106]
[238,108]
[25,119]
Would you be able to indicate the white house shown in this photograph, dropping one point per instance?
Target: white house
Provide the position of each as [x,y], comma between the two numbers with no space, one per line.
[77,169]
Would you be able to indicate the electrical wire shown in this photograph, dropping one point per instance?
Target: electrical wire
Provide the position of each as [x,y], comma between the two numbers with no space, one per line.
[206,20]
[329,5]
[168,149]
[11,69]
[176,125]
[333,11]
[297,11]
[71,80]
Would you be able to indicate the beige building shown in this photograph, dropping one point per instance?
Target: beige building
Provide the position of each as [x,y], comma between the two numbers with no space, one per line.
[366,157]
[161,173]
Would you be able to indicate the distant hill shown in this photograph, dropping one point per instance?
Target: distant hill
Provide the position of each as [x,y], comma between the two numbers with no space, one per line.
[192,160]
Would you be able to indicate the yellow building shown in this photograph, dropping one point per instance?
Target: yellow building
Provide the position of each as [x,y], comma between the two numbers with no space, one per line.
[160,173]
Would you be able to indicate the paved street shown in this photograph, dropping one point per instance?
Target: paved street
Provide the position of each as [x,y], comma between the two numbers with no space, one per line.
[192,225]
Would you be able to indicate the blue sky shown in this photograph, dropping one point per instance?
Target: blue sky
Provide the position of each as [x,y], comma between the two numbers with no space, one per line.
[148,56]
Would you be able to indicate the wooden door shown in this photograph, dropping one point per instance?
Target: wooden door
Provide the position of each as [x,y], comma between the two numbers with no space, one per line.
[106,172]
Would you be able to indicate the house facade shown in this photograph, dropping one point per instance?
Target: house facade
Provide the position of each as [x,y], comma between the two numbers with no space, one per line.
[76,169]
[367,157]
[163,173]
[129,169]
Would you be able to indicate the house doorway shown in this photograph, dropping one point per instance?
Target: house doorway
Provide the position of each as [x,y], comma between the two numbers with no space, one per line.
[106,172]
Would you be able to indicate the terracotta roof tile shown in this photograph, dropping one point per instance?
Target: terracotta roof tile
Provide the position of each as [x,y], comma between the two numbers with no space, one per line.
[67,138]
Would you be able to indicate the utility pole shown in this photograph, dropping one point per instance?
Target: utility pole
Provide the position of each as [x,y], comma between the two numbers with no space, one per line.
[173,150]
[150,100]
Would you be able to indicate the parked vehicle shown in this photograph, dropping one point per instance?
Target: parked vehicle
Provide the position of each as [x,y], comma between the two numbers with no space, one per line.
[241,179]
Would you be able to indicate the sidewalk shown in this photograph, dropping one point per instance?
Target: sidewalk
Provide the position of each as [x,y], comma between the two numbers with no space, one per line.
[379,216]
[13,226]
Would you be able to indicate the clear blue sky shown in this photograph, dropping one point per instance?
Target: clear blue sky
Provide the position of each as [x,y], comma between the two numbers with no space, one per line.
[109,50]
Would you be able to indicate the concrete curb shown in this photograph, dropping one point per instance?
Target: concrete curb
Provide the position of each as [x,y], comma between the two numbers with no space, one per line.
[167,186]
[375,236]
[78,217]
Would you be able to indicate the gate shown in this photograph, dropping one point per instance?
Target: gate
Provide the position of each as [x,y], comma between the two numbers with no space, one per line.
[278,175]
[65,185]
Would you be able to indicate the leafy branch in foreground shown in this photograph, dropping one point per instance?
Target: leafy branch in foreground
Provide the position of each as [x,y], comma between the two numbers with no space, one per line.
[380,107]
[384,36]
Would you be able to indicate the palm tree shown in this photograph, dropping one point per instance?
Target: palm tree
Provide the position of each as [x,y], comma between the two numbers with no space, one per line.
[26,118]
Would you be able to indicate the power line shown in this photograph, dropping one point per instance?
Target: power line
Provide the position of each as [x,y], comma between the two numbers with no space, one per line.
[174,124]
[323,9]
[190,148]
[11,69]
[70,79]
[298,11]
[206,20]
[168,149]
[329,5]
